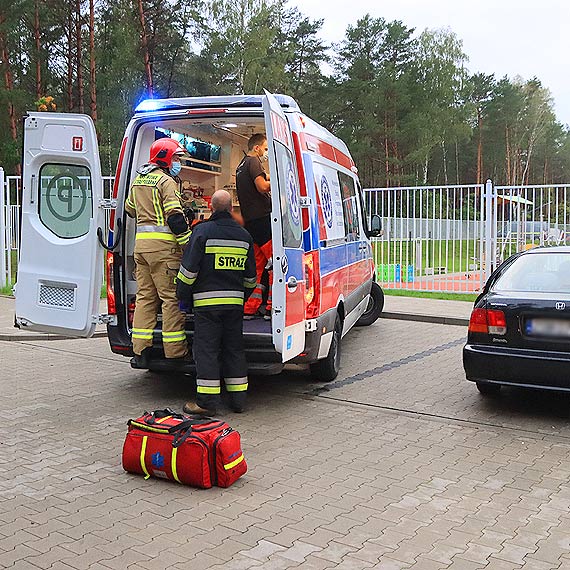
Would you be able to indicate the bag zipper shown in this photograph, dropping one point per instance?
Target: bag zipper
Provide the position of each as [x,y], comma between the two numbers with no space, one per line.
[213,469]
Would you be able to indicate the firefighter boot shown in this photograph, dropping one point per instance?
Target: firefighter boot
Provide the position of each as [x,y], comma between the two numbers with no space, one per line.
[194,409]
[142,361]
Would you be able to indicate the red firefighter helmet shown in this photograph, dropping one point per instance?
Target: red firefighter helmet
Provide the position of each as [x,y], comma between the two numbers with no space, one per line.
[163,150]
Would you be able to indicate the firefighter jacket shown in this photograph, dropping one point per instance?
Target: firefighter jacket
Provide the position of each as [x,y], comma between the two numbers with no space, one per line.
[155,203]
[218,266]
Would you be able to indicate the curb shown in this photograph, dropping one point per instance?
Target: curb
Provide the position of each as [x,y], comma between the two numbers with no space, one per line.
[44,336]
[456,321]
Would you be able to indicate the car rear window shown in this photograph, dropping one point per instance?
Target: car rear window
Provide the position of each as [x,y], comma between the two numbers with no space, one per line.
[549,272]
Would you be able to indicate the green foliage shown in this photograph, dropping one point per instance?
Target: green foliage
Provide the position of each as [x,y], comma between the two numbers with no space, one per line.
[399,97]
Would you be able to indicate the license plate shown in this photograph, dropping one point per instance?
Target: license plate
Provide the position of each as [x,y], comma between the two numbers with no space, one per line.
[548,327]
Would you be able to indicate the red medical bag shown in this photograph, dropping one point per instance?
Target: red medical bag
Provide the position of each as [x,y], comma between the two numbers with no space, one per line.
[192,450]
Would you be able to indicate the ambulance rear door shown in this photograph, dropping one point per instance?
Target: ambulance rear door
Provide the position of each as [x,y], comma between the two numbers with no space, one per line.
[61,262]
[288,318]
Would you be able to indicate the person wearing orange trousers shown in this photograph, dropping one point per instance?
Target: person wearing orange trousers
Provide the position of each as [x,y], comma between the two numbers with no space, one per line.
[253,190]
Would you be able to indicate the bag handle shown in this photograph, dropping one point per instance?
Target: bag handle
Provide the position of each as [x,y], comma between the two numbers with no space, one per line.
[184,429]
[159,414]
[188,423]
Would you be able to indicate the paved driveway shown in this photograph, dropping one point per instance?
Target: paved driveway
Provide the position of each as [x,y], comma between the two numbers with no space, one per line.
[399,463]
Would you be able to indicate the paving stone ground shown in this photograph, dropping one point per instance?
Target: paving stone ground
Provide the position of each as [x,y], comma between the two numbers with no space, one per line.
[399,463]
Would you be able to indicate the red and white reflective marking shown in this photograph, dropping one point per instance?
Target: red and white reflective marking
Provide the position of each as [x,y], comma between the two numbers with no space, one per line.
[280,130]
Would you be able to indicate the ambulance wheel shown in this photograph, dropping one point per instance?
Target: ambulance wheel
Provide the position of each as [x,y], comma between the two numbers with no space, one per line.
[374,308]
[326,370]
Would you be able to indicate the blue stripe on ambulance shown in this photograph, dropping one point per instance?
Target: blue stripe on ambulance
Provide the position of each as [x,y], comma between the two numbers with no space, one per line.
[333,258]
[353,254]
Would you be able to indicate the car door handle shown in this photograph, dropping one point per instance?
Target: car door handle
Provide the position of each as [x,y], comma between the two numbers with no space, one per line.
[292,283]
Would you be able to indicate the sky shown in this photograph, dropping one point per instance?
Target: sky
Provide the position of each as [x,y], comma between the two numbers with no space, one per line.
[526,38]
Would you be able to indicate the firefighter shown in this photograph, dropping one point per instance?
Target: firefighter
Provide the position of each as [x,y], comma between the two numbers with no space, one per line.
[218,275]
[162,232]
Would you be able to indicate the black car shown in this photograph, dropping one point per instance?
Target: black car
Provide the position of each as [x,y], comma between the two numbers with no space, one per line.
[519,331]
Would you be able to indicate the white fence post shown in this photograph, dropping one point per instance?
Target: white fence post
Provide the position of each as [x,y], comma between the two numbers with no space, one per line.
[3,231]
[490,230]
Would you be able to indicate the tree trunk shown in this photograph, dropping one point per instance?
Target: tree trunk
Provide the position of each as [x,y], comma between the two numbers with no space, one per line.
[8,81]
[70,101]
[507,156]
[92,77]
[386,152]
[78,28]
[479,147]
[526,171]
[39,90]
[146,53]
[457,163]
[444,153]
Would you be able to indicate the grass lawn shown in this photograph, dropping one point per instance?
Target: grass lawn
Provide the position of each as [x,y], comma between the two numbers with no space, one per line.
[428,295]
[457,256]
[7,290]
[454,255]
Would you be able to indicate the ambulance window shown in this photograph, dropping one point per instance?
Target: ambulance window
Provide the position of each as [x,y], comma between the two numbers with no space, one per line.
[66,199]
[349,205]
[289,197]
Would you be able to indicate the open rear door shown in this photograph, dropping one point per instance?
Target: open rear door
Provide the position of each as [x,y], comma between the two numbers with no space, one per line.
[288,321]
[60,269]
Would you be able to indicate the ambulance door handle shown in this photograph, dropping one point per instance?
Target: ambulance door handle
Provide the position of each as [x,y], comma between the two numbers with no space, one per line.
[32,188]
[292,283]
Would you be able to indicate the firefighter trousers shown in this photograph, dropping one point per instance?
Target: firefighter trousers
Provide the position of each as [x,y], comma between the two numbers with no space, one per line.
[155,273]
[218,351]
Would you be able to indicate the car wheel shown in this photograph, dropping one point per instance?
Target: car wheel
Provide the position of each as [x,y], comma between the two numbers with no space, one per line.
[326,370]
[374,308]
[488,389]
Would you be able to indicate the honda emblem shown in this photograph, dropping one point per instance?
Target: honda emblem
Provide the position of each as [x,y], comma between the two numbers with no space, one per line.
[560,306]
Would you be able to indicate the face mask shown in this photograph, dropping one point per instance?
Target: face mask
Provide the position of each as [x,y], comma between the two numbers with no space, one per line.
[266,155]
[175,168]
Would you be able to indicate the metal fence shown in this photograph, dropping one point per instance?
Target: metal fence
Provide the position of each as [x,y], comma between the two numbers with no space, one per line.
[451,238]
[435,238]
[10,201]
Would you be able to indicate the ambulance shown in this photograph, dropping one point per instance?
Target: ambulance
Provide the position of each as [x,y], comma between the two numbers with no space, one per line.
[323,270]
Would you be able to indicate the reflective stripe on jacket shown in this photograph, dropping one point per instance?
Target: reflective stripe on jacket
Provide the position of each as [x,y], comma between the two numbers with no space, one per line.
[218,266]
[154,197]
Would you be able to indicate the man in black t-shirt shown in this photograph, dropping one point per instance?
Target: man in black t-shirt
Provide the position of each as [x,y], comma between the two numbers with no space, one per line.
[253,187]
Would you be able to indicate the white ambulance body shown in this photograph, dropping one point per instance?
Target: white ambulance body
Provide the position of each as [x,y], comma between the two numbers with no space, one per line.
[322,256]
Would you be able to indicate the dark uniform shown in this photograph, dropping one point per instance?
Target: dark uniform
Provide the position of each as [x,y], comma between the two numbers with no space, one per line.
[255,208]
[217,275]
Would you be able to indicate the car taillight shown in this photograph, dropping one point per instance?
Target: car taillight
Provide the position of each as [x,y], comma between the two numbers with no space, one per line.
[309,279]
[311,263]
[111,304]
[488,321]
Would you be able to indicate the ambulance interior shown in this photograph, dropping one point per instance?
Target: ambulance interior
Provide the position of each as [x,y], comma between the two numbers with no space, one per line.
[215,149]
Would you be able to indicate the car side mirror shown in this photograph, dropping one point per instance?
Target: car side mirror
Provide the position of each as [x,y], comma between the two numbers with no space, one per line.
[375,226]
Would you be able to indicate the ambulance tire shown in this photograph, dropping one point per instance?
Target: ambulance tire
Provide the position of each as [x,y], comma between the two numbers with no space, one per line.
[326,370]
[374,308]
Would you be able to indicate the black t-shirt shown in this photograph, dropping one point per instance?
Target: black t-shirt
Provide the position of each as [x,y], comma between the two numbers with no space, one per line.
[253,204]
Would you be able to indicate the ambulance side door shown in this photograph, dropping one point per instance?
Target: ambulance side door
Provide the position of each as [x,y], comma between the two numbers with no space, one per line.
[61,262]
[288,318]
